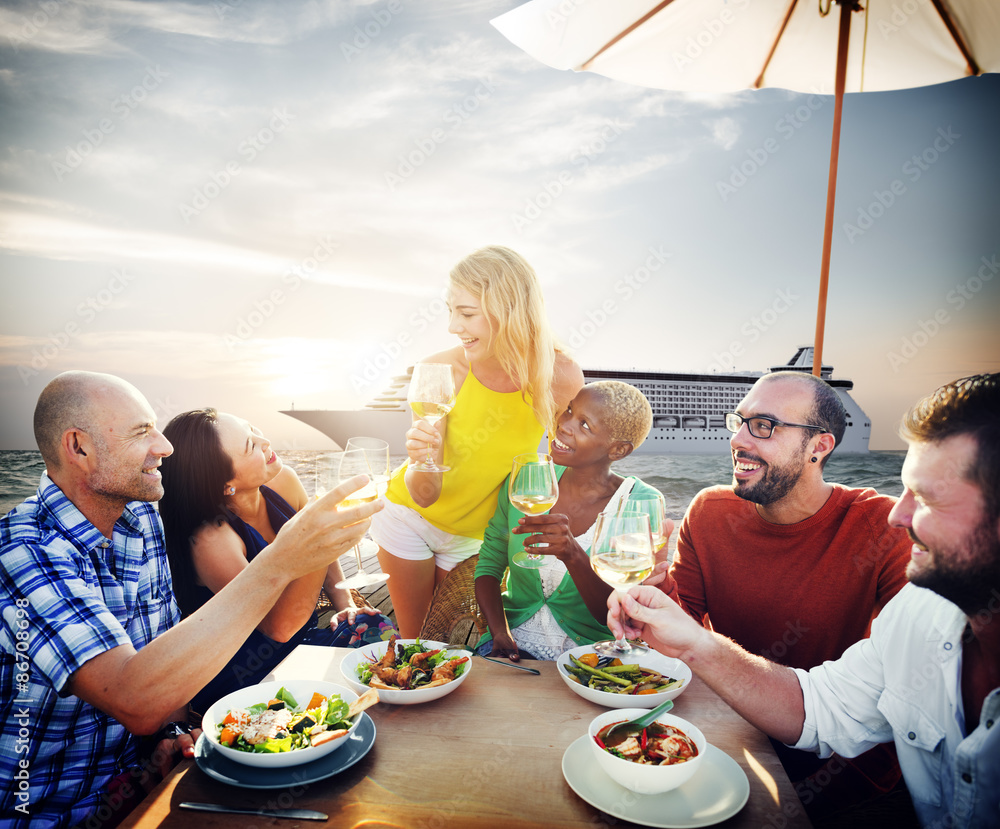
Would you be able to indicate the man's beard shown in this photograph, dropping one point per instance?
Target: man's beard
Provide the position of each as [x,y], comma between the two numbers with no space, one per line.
[774,484]
[973,583]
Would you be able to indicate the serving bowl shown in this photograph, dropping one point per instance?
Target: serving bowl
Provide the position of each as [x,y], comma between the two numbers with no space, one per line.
[654,661]
[302,690]
[374,652]
[638,777]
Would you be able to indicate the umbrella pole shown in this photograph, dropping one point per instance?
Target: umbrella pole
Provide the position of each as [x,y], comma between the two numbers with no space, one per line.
[831,189]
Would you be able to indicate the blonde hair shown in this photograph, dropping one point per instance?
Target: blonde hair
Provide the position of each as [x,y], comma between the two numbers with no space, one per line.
[520,338]
[627,414]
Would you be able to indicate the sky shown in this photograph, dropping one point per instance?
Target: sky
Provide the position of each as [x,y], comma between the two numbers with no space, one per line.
[249,203]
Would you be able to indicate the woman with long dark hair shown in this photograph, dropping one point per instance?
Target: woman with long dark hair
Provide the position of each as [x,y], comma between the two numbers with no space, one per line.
[226,495]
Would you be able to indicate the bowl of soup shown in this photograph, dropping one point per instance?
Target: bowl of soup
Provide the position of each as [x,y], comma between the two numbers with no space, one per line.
[666,756]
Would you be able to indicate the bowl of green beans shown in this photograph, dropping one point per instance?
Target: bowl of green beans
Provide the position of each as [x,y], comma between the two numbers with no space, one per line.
[640,682]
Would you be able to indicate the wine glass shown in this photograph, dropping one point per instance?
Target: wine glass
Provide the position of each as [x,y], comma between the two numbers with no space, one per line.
[656,508]
[364,456]
[431,396]
[622,555]
[533,488]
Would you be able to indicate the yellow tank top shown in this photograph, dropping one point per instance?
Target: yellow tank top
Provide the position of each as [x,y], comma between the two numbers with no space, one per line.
[486,429]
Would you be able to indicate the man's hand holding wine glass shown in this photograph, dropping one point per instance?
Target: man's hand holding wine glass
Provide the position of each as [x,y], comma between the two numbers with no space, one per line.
[647,613]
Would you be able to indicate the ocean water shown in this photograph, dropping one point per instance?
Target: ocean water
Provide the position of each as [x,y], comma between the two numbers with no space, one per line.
[678,477]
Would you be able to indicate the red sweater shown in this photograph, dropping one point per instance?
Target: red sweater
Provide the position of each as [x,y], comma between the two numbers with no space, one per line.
[798,594]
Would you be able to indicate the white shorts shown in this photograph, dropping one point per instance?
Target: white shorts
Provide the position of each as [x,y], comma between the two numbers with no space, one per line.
[405,533]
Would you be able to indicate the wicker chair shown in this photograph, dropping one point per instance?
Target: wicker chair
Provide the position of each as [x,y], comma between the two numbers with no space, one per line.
[454,616]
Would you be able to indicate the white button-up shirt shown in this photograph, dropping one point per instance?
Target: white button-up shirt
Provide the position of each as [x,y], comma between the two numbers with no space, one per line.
[904,684]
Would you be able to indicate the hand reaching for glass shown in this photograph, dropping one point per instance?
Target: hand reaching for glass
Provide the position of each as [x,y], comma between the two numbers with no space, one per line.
[549,534]
[647,613]
[320,533]
[422,441]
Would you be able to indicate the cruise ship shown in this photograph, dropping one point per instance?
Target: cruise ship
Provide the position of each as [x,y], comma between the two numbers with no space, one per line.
[688,409]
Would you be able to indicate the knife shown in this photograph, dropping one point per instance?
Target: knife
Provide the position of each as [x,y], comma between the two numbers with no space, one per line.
[510,664]
[297,814]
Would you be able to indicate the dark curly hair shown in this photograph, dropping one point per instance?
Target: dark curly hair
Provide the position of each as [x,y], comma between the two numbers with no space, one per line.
[969,406]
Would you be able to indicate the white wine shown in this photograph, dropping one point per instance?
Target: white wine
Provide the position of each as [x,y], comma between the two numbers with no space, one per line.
[381,484]
[630,561]
[659,542]
[534,504]
[431,412]
[365,495]
[620,571]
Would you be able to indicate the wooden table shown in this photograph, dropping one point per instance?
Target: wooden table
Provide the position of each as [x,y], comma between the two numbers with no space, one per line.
[487,755]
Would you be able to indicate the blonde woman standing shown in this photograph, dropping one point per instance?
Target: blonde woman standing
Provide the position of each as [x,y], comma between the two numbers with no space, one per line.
[511,380]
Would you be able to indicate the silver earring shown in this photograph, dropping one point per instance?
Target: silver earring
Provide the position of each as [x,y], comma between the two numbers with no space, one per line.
[231,490]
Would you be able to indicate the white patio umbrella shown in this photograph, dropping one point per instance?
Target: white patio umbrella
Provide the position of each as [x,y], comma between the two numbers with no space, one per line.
[725,45]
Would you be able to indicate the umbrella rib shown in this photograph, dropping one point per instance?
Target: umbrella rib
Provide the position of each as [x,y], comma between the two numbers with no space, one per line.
[774,44]
[949,24]
[659,7]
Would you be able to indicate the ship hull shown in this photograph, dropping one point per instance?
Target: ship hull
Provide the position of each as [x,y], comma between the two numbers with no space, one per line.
[688,410]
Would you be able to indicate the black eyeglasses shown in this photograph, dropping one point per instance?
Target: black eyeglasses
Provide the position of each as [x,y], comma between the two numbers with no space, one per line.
[761,427]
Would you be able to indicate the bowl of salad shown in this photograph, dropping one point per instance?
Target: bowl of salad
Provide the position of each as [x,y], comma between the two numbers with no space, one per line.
[640,682]
[413,671]
[280,724]
[658,758]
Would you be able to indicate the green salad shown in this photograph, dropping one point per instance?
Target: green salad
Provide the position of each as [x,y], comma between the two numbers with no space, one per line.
[282,724]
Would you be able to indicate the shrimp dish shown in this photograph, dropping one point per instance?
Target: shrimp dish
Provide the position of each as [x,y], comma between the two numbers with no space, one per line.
[409,667]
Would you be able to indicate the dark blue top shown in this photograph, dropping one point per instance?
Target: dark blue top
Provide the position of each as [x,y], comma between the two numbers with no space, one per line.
[259,654]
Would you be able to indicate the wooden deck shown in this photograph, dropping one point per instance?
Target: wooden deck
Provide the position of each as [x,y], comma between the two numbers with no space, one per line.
[463,633]
[378,595]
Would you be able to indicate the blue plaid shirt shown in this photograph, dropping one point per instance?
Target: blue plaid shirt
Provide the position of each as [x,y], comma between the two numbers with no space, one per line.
[68,594]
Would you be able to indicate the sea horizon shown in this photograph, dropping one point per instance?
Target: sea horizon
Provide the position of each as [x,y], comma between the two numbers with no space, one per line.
[678,477]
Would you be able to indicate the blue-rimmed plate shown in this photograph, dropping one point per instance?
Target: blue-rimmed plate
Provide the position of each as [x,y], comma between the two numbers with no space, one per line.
[210,760]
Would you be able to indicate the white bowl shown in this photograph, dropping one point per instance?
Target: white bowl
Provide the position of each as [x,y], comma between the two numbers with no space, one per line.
[302,690]
[637,777]
[374,652]
[654,661]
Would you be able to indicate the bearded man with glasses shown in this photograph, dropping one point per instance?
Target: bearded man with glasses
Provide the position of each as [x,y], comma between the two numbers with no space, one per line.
[793,567]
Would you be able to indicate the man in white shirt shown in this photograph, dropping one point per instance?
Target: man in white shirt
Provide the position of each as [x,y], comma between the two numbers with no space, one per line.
[928,678]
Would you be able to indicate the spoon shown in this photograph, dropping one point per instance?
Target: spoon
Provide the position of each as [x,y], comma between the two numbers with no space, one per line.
[640,722]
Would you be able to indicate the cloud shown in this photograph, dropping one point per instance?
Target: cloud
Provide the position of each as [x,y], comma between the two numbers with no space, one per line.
[725,132]
[100,27]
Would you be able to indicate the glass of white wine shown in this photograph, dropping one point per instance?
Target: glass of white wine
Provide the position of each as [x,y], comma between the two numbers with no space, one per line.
[533,488]
[431,395]
[364,456]
[622,555]
[656,508]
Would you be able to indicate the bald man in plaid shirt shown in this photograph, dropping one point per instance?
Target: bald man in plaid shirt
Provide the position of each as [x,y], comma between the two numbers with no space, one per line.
[91,652]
